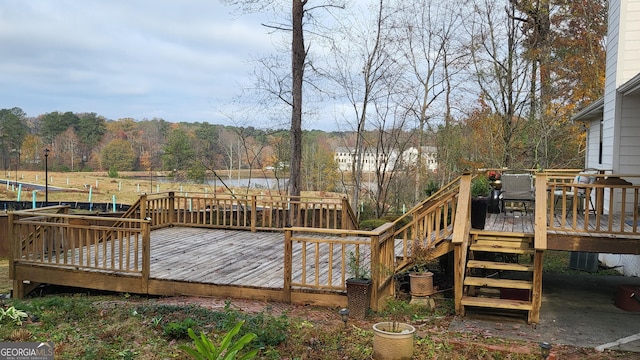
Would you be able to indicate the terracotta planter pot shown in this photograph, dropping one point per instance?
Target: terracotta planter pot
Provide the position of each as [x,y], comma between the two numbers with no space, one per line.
[393,345]
[421,283]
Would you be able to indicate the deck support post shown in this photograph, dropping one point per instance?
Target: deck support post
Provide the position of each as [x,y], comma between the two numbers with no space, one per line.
[146,255]
[288,266]
[536,295]
[460,239]
[14,251]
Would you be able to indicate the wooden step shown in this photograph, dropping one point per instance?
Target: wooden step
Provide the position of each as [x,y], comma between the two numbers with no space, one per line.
[496,303]
[527,239]
[496,265]
[501,249]
[498,283]
[501,234]
[508,244]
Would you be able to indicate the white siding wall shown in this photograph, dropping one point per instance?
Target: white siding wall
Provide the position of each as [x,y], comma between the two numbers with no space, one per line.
[621,114]
[630,136]
[593,145]
[628,64]
[609,111]
[627,265]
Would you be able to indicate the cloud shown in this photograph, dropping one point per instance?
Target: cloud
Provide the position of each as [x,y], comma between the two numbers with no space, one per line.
[179,60]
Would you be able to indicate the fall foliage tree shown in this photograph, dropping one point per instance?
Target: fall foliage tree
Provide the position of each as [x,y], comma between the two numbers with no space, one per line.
[118,155]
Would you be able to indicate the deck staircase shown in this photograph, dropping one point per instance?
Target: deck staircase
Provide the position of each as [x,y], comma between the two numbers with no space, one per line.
[499,271]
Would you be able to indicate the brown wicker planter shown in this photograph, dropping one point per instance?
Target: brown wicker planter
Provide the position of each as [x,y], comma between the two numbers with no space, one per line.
[358,297]
[421,283]
[392,345]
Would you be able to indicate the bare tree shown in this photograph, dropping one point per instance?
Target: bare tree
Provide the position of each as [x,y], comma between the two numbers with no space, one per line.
[363,65]
[430,33]
[501,72]
[300,11]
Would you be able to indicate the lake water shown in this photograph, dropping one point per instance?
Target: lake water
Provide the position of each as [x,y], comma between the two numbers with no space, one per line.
[255,183]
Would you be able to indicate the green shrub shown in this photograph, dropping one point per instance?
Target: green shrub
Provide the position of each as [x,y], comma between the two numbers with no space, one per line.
[480,186]
[179,330]
[228,349]
[371,224]
[113,173]
[431,188]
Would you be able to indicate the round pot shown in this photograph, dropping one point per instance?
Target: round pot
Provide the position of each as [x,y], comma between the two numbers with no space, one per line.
[421,283]
[393,342]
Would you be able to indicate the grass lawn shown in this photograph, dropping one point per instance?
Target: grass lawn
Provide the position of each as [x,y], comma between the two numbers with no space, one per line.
[86,324]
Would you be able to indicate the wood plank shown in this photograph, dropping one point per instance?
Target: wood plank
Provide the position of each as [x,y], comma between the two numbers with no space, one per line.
[500,249]
[498,283]
[479,264]
[496,303]
[503,244]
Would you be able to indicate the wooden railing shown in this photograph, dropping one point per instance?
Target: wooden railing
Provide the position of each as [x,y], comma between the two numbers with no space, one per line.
[385,250]
[430,222]
[610,205]
[80,242]
[244,212]
[319,258]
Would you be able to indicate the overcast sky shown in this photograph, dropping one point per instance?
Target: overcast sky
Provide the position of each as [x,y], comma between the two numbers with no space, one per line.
[177,60]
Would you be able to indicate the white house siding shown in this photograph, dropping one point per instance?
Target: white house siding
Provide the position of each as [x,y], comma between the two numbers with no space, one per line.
[628,64]
[621,114]
[593,145]
[609,108]
[627,265]
[629,135]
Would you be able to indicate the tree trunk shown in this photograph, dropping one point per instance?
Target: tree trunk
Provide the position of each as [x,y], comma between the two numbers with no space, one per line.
[298,54]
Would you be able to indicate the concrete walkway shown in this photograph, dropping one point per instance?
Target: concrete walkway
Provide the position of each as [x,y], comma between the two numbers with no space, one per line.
[577,310]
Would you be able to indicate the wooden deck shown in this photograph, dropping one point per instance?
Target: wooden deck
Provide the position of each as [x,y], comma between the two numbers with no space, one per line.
[589,233]
[232,258]
[214,262]
[167,245]
[224,257]
[511,222]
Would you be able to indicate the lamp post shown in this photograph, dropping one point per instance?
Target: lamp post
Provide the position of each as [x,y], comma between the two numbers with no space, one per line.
[545,350]
[344,316]
[46,176]
[17,160]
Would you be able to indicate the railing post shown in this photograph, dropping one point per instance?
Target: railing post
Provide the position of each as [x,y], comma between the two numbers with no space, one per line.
[254,212]
[288,266]
[375,271]
[345,216]
[143,206]
[172,207]
[146,255]
[460,238]
[540,240]
[13,247]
